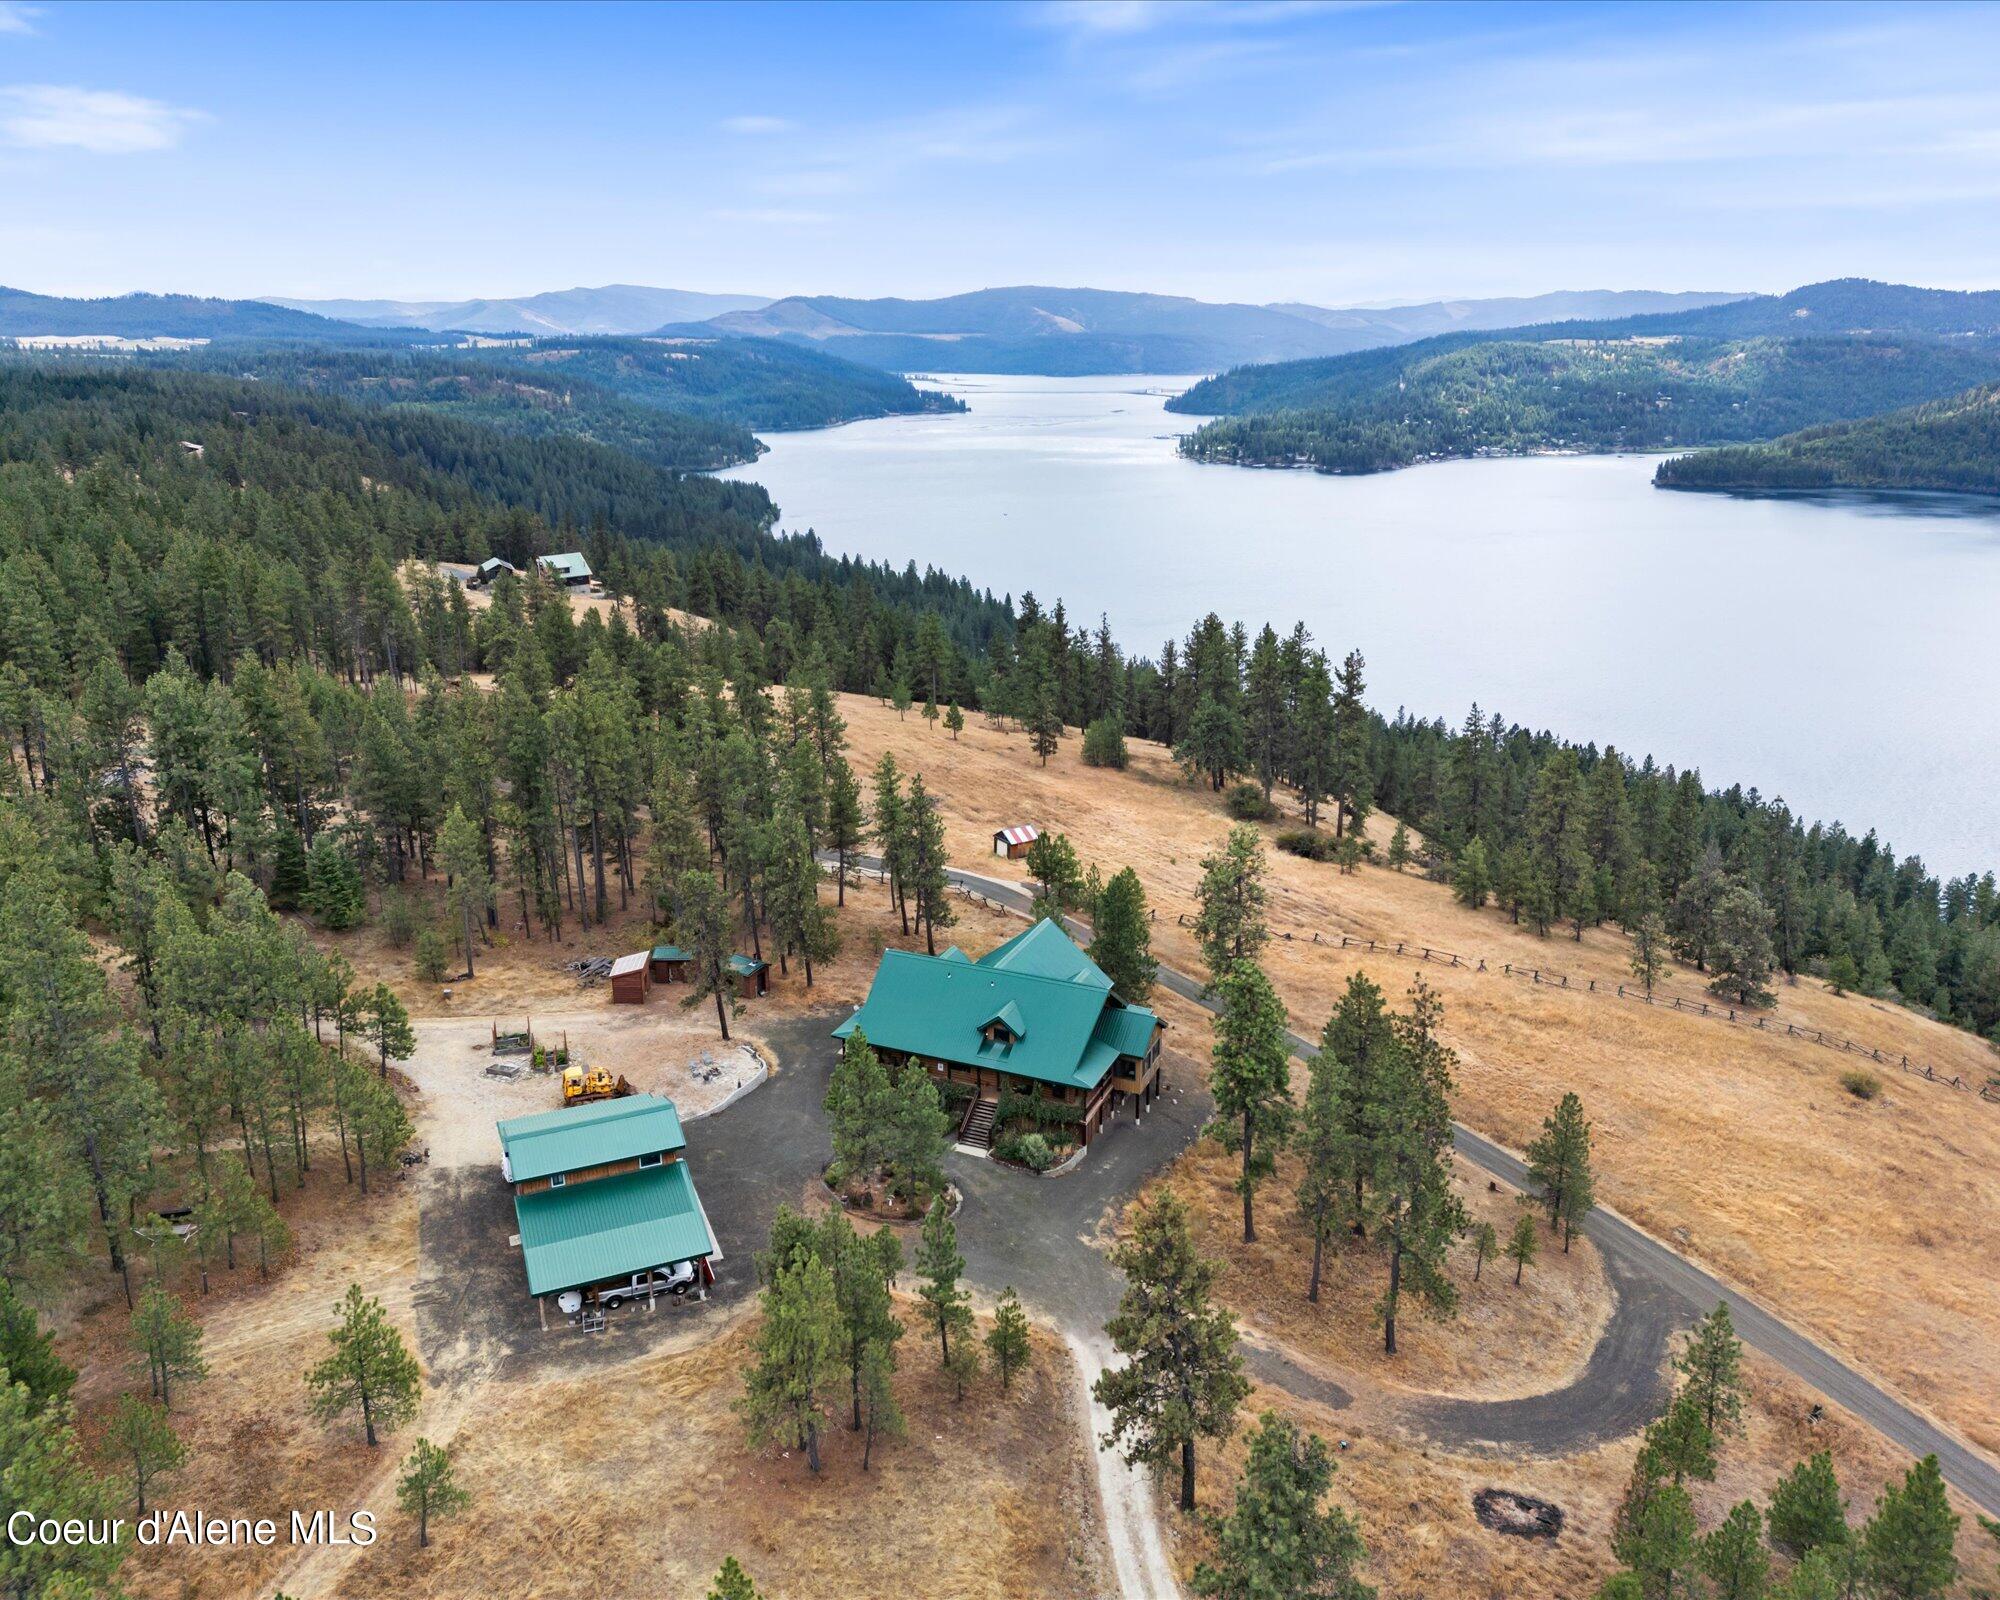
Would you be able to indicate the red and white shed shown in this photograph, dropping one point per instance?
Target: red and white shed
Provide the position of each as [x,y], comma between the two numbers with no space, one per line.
[1013,842]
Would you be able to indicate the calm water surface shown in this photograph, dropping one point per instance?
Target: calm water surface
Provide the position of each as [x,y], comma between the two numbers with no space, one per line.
[1842,653]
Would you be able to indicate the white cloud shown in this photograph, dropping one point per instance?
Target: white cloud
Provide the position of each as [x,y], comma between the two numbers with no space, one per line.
[757,124]
[17,18]
[47,116]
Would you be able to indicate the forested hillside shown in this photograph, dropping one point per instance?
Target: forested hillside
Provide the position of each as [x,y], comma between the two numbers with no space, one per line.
[1950,445]
[759,383]
[1469,395]
[504,396]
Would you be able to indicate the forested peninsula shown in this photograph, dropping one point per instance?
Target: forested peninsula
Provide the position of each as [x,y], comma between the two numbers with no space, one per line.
[1949,446]
[1470,396]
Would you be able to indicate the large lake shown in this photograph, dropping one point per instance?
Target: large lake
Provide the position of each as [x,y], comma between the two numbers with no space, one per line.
[1841,653]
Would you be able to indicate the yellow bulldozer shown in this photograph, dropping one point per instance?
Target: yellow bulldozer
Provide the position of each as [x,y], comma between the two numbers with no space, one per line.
[583,1084]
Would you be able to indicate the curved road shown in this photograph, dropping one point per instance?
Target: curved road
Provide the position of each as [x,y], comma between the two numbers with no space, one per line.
[1658,1289]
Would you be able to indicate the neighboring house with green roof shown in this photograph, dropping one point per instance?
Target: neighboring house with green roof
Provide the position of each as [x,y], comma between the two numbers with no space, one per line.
[570,568]
[603,1191]
[1036,1016]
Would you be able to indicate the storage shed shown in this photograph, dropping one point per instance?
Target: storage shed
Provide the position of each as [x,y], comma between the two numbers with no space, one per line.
[1014,842]
[753,977]
[630,978]
[670,963]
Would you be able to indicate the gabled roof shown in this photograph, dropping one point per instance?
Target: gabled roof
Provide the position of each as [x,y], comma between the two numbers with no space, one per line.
[1027,833]
[1045,951]
[630,963]
[570,564]
[746,966]
[589,1135]
[611,1227]
[1068,1027]
[670,952]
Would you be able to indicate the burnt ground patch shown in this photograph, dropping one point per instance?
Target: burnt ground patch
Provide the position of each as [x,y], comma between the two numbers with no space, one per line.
[1524,1516]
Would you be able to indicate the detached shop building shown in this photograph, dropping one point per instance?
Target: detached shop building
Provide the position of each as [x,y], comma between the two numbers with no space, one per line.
[1034,1017]
[604,1199]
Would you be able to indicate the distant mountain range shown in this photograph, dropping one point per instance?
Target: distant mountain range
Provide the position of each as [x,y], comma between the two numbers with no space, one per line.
[167,316]
[615,308]
[1050,330]
[1023,329]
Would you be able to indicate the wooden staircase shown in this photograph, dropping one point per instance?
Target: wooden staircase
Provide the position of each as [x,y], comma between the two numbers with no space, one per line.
[977,1128]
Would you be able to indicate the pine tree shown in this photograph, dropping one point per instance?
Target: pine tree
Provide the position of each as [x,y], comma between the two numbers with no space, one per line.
[940,1267]
[142,1439]
[1733,1556]
[1485,1246]
[1229,925]
[388,1028]
[1522,1244]
[1399,848]
[1741,948]
[334,891]
[1471,882]
[1908,1548]
[954,721]
[1122,937]
[1417,1212]
[701,925]
[168,1341]
[798,1356]
[1326,1156]
[1251,1081]
[733,1583]
[846,819]
[1280,1541]
[369,1370]
[1711,1369]
[1007,1341]
[1807,1511]
[462,853]
[929,885]
[1183,1378]
[27,1354]
[45,1472]
[1649,951]
[859,1101]
[429,1488]
[1559,1164]
[1663,1549]
[881,1416]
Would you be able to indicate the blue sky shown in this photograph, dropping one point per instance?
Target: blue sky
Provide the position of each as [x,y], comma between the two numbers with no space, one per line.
[1261,151]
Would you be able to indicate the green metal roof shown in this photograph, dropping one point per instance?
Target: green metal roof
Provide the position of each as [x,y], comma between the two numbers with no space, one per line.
[746,966]
[570,564]
[611,1227]
[1069,1026]
[1046,951]
[670,952]
[589,1135]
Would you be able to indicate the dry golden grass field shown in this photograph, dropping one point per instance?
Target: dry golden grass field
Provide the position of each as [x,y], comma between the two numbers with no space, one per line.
[1875,1226]
[638,1481]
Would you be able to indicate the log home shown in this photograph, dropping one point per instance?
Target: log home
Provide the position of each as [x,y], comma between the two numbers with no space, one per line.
[1036,1016]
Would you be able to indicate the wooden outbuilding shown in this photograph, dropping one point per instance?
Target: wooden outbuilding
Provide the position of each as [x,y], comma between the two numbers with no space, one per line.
[753,977]
[630,978]
[670,963]
[1013,842]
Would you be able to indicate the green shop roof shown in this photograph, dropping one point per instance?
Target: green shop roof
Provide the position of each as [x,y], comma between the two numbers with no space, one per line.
[746,966]
[1067,1026]
[611,1227]
[670,952]
[589,1135]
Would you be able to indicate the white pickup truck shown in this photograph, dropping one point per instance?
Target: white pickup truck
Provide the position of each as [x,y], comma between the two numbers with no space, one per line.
[675,1279]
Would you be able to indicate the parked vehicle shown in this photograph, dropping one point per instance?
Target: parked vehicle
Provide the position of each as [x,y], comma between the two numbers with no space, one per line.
[675,1279]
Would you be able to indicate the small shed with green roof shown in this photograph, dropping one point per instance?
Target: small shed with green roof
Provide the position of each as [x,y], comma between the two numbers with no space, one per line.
[670,963]
[752,975]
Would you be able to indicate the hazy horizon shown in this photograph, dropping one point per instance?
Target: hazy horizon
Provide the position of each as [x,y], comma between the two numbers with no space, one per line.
[1340,155]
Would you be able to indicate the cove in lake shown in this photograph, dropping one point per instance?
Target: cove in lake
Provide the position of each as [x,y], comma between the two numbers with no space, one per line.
[1839,652]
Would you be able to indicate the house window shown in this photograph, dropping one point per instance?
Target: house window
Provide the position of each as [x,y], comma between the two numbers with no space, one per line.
[558,1180]
[652,1160]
